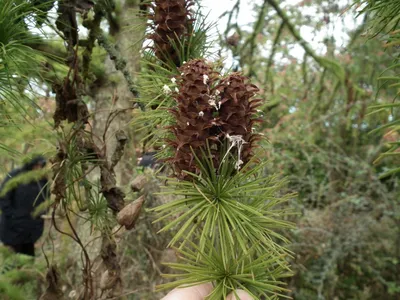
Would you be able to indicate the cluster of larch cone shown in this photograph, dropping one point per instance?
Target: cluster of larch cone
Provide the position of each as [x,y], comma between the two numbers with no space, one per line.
[212,110]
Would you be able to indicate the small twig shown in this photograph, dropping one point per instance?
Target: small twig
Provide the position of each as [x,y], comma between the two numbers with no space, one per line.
[56,227]
[128,293]
[152,261]
[295,33]
[273,50]
[88,277]
[120,64]
[108,121]
[258,27]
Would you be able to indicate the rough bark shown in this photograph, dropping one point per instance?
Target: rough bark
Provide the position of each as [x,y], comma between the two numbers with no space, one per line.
[112,104]
[115,95]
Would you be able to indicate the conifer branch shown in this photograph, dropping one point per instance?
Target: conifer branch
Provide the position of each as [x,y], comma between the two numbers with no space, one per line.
[94,30]
[293,31]
[120,64]
[258,27]
[227,211]
[273,50]
[336,69]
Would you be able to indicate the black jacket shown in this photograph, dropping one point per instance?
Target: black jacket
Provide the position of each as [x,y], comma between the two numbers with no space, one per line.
[17,225]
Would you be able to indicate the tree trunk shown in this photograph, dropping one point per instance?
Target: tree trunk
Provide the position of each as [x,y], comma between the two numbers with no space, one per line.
[115,93]
[109,97]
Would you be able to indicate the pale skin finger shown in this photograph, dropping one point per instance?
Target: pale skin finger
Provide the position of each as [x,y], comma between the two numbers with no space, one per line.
[198,292]
[241,294]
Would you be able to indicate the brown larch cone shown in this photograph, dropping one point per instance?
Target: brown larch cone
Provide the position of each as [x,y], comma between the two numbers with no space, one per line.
[211,111]
[194,115]
[238,111]
[171,19]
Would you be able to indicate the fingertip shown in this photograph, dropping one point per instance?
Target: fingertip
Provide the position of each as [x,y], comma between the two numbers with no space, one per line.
[198,292]
[239,295]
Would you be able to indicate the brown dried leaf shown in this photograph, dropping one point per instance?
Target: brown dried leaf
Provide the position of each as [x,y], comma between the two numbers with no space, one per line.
[108,281]
[138,183]
[119,150]
[53,290]
[130,213]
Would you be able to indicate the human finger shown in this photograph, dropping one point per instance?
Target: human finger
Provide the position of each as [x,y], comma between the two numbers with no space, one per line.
[241,294]
[198,292]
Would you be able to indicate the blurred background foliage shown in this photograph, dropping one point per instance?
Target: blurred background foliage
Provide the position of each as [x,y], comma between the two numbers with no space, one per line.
[323,67]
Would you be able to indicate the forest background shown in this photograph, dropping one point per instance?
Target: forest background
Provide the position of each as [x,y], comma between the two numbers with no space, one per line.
[326,78]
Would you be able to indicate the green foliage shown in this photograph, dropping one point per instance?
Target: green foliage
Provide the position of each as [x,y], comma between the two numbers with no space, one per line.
[345,244]
[81,192]
[195,44]
[17,275]
[23,178]
[257,274]
[385,20]
[155,80]
[385,14]
[20,66]
[100,216]
[227,228]
[226,201]
[344,206]
[326,154]
[19,137]
[18,61]
[317,127]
